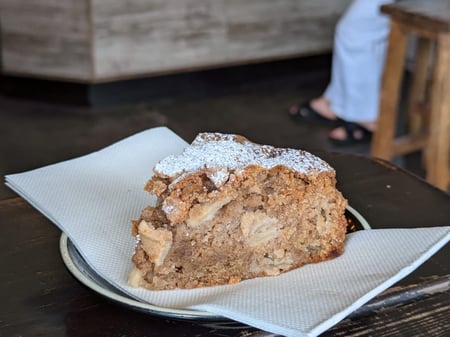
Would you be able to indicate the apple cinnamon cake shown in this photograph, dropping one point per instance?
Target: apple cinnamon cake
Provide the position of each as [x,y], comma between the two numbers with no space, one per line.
[228,209]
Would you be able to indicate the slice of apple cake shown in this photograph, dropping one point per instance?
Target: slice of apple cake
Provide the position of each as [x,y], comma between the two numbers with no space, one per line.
[228,209]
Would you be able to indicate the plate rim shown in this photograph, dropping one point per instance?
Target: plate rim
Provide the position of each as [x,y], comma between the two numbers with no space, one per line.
[123,299]
[144,306]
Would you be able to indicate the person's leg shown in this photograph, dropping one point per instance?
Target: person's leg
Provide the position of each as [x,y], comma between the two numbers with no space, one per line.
[358,59]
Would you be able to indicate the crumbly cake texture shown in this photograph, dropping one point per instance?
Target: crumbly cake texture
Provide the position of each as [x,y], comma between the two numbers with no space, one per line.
[228,209]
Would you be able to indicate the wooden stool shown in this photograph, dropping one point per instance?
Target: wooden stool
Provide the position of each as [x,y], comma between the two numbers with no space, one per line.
[429,21]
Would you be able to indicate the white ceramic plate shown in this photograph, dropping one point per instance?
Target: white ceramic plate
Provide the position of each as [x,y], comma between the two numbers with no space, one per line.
[87,276]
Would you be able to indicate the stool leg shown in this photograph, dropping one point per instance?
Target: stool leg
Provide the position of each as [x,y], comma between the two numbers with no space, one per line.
[382,142]
[417,92]
[418,100]
[438,146]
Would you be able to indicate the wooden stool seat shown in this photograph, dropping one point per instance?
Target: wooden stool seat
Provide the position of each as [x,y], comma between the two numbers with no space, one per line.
[429,21]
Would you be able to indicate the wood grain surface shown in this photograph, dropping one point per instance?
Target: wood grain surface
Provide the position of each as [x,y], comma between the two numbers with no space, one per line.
[48,38]
[39,297]
[104,40]
[434,15]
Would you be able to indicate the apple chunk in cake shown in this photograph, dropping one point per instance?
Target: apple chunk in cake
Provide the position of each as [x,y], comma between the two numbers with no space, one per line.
[228,209]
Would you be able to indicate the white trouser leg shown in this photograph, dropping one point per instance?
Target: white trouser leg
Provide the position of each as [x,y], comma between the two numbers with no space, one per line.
[360,44]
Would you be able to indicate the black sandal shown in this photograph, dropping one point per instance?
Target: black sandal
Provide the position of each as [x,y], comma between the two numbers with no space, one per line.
[306,113]
[355,134]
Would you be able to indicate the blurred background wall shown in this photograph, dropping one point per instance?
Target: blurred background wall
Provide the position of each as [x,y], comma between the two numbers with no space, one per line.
[97,41]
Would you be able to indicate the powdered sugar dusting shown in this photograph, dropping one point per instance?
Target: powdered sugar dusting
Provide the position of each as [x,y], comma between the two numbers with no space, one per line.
[225,152]
[219,177]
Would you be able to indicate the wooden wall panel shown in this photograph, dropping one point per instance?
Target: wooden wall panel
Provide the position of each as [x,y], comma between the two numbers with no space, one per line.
[280,28]
[46,38]
[169,35]
[133,37]
[104,40]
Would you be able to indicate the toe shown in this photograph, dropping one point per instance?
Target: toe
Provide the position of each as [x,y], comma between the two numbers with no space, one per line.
[293,110]
[338,133]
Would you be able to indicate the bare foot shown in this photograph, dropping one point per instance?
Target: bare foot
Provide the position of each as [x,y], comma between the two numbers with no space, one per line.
[320,105]
[340,133]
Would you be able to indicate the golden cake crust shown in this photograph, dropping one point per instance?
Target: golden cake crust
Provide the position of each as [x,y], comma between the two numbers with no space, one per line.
[228,209]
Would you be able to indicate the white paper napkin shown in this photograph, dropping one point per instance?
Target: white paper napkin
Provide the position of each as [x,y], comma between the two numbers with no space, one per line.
[94,197]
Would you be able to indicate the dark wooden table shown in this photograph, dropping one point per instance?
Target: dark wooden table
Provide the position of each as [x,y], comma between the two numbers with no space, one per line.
[39,297]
